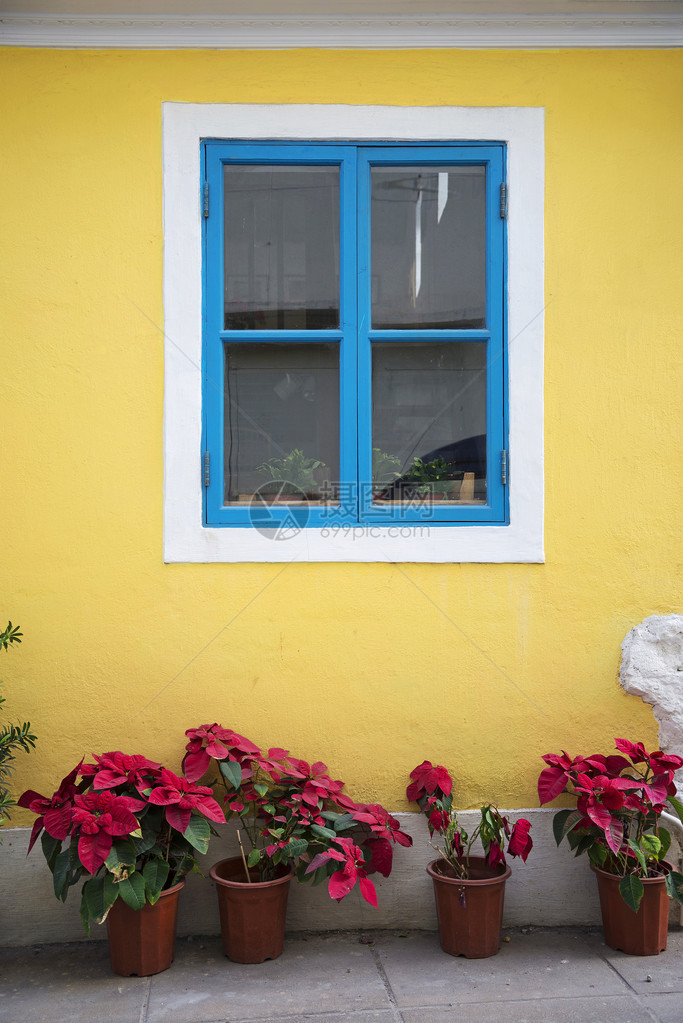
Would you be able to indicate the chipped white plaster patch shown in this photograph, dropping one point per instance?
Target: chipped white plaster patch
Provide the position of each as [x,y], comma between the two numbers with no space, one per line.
[652,668]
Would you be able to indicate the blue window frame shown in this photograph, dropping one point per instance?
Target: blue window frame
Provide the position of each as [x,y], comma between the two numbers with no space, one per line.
[355,324]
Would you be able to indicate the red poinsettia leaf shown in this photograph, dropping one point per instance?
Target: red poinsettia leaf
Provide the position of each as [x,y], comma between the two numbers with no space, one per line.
[321,858]
[341,882]
[58,821]
[211,809]
[615,764]
[164,795]
[367,890]
[614,833]
[363,817]
[551,782]
[107,779]
[634,750]
[93,850]
[520,840]
[665,762]
[35,832]
[599,814]
[122,821]
[178,818]
[33,801]
[657,790]
[381,855]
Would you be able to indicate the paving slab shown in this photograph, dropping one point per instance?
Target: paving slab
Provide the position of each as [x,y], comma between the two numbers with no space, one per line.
[647,975]
[325,974]
[610,1009]
[51,983]
[666,1008]
[530,965]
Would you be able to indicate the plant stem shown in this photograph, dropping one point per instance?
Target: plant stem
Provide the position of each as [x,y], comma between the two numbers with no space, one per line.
[244,859]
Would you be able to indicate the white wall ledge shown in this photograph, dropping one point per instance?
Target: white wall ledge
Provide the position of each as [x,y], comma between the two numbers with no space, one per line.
[467,31]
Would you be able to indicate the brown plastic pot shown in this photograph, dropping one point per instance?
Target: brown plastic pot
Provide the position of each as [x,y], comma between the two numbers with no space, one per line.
[638,934]
[469,912]
[142,941]
[252,915]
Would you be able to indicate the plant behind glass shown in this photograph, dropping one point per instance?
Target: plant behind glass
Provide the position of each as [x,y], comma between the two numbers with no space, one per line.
[295,470]
[436,476]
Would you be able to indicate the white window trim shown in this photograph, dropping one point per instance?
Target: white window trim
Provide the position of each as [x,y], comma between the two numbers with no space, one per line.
[183,127]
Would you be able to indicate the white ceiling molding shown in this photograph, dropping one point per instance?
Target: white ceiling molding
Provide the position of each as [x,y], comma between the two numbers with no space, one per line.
[347,31]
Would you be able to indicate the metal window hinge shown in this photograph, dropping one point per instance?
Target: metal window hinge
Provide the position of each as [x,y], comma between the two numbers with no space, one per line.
[503,201]
[207,472]
[504,467]
[205,199]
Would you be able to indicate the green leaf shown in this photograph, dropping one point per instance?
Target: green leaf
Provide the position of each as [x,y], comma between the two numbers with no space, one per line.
[155,874]
[100,894]
[674,885]
[651,846]
[631,889]
[597,853]
[261,788]
[51,846]
[318,829]
[60,875]
[132,890]
[121,855]
[344,822]
[678,807]
[665,839]
[254,857]
[232,772]
[85,915]
[638,853]
[198,833]
[563,822]
[296,847]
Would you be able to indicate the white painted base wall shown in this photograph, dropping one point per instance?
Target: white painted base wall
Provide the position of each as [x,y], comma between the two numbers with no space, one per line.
[551,889]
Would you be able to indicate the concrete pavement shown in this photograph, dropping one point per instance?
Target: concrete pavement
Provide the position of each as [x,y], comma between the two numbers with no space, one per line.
[540,975]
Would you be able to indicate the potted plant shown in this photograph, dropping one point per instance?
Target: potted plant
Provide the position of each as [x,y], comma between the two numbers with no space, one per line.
[291,474]
[12,737]
[431,480]
[385,469]
[297,822]
[620,800]
[469,890]
[132,829]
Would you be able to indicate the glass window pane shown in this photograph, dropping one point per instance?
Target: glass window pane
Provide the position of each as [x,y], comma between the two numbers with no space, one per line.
[428,239]
[281,420]
[429,421]
[281,247]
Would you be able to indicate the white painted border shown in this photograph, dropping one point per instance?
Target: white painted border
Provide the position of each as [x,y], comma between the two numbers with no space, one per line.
[395,31]
[184,124]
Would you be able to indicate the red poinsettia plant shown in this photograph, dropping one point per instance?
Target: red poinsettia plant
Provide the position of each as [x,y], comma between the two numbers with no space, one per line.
[293,813]
[431,788]
[620,799]
[127,825]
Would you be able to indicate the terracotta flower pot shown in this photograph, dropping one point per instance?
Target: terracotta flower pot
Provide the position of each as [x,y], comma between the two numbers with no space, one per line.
[142,941]
[638,934]
[469,912]
[252,915]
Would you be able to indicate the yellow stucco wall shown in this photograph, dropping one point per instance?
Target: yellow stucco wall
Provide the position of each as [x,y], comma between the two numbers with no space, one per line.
[369,667]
